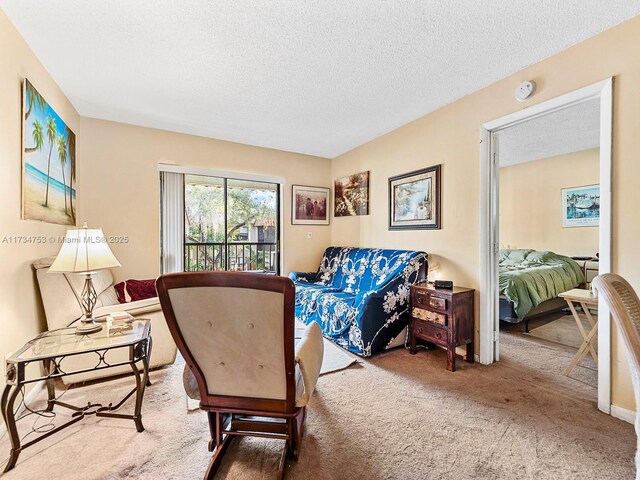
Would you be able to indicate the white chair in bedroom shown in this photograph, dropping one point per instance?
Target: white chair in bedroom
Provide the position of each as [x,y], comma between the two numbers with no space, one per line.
[624,304]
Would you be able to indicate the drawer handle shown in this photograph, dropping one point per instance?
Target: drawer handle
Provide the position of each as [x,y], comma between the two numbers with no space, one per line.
[419,299]
[438,335]
[436,302]
[419,330]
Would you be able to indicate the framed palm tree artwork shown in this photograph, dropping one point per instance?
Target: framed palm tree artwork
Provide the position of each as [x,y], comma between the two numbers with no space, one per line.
[48,162]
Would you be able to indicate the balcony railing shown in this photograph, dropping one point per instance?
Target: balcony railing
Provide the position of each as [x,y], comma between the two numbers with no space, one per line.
[237,256]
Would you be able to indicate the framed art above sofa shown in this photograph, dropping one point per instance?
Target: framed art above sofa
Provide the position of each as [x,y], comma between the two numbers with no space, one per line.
[414,200]
[352,195]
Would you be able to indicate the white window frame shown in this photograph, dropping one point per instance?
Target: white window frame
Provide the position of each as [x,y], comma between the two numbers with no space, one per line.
[208,172]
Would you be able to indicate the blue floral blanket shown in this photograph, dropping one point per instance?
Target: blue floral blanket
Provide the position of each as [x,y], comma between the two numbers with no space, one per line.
[359,296]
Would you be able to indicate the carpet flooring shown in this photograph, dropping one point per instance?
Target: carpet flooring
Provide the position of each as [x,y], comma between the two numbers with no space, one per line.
[563,330]
[395,416]
[556,334]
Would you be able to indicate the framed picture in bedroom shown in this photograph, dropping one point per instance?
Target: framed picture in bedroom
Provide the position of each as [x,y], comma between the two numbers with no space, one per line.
[48,162]
[310,205]
[352,195]
[581,206]
[414,200]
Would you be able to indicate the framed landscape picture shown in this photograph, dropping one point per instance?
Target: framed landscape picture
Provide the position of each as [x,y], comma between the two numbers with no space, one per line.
[48,162]
[581,206]
[309,205]
[414,200]
[352,195]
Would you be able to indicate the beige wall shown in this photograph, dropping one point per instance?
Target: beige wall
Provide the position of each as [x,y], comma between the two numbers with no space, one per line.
[531,204]
[122,188]
[21,316]
[451,135]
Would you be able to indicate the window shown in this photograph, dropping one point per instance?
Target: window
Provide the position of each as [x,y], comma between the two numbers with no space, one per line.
[230,224]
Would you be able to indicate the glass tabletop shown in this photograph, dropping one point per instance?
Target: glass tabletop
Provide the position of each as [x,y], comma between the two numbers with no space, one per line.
[64,341]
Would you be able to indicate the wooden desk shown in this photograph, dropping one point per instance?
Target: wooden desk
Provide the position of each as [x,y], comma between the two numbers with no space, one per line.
[585,299]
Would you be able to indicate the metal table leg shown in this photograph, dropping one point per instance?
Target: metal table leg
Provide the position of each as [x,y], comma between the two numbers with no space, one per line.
[51,389]
[8,413]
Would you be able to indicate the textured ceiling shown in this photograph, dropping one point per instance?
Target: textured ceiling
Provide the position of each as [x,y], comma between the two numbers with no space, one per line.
[569,130]
[305,76]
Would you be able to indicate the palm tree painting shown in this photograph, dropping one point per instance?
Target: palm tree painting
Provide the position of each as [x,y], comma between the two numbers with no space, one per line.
[48,162]
[62,156]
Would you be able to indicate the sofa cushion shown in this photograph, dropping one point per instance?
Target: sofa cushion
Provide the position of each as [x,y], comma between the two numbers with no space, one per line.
[307,295]
[136,309]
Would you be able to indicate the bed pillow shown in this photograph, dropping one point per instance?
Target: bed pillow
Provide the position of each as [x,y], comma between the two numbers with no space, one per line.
[134,290]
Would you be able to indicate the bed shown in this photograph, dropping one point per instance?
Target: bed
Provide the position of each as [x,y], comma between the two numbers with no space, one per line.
[530,282]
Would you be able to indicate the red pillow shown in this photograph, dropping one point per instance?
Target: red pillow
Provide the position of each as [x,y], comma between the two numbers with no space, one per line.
[141,289]
[119,288]
[133,290]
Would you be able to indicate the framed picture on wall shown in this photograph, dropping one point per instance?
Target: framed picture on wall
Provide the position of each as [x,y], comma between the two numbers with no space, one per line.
[48,162]
[352,195]
[414,200]
[581,206]
[310,205]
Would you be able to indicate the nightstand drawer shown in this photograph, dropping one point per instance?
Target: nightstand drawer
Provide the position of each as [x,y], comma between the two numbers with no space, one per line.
[429,331]
[429,316]
[432,302]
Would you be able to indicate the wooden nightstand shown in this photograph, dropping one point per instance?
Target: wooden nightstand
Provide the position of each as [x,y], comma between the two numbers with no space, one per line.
[443,317]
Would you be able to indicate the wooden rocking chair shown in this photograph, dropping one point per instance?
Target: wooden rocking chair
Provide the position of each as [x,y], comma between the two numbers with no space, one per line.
[236,334]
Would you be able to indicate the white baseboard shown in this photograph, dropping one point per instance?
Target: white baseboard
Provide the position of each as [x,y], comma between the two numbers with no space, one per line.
[30,397]
[624,414]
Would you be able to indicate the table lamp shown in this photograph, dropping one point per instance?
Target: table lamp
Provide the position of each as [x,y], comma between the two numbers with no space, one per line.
[85,250]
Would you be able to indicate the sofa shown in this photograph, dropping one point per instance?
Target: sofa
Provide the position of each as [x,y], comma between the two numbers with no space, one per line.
[60,294]
[360,296]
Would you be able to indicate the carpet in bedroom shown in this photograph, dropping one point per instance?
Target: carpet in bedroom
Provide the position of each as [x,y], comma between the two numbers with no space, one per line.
[390,417]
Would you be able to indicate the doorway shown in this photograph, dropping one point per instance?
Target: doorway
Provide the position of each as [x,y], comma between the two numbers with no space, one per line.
[600,92]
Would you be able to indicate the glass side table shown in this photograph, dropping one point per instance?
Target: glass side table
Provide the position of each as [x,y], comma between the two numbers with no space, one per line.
[51,348]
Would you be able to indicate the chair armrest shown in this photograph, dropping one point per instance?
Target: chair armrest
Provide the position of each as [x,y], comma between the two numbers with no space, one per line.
[136,309]
[309,355]
[303,276]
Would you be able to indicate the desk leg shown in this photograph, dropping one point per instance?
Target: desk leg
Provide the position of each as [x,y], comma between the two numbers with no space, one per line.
[451,359]
[8,414]
[471,355]
[412,342]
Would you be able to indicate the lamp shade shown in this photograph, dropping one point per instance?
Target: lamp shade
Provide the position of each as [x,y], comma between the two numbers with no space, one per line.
[84,250]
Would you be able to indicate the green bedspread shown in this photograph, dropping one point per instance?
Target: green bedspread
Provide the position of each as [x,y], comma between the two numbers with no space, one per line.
[529,277]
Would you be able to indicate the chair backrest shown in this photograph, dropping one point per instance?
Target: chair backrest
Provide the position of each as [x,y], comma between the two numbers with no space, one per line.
[625,309]
[236,333]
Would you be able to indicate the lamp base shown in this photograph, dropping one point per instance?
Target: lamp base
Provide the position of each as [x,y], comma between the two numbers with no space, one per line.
[86,328]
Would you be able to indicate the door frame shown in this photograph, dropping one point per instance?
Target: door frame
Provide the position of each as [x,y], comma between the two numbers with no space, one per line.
[489,222]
